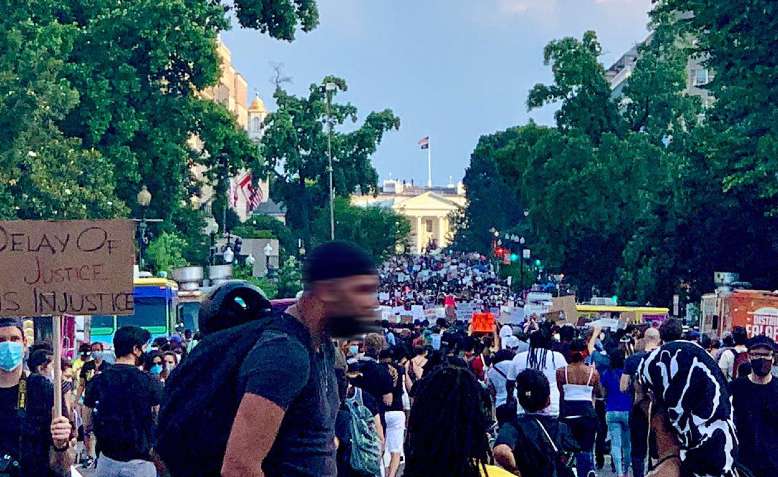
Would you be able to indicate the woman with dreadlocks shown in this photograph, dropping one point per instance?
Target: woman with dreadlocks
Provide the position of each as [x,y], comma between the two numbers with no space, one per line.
[447,429]
[541,358]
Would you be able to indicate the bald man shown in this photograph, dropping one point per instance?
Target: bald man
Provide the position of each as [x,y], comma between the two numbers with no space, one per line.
[651,341]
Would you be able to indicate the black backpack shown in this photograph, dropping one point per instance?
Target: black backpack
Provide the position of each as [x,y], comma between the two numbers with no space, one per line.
[201,396]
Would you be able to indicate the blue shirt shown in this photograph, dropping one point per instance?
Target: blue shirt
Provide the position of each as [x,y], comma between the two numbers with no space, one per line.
[616,400]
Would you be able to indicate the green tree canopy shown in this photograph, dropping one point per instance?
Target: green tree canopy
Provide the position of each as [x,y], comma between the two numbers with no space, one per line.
[99,97]
[295,148]
[378,230]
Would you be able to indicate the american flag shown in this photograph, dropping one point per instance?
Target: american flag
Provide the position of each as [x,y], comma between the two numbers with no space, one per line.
[253,194]
[424,142]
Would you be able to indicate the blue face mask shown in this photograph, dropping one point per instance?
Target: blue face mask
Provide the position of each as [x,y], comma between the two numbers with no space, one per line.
[353,350]
[156,369]
[11,354]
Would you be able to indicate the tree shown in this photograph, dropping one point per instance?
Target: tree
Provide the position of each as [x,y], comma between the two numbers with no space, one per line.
[295,148]
[378,230]
[265,284]
[44,174]
[736,41]
[166,252]
[111,89]
[601,188]
[491,202]
[579,85]
[265,226]
[289,280]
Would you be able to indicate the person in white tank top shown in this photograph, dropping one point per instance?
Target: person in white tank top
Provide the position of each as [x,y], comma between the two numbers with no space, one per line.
[578,384]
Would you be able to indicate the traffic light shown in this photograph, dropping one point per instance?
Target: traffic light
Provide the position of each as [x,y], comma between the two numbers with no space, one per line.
[514,257]
[538,263]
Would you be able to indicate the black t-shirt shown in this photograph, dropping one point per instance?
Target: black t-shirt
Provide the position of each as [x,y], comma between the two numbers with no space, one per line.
[374,379]
[30,428]
[301,381]
[397,373]
[756,420]
[121,398]
[632,363]
[89,370]
[532,450]
[638,427]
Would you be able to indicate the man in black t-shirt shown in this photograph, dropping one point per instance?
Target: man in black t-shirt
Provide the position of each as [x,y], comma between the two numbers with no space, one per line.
[28,434]
[637,423]
[124,402]
[756,417]
[285,424]
[373,377]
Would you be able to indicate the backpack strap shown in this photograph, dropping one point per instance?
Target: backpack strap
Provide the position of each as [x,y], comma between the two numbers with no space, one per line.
[550,440]
[494,367]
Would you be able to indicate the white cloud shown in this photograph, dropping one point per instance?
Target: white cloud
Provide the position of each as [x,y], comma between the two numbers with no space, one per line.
[518,7]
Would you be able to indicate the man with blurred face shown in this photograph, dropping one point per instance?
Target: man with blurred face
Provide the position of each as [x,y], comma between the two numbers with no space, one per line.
[285,425]
[26,404]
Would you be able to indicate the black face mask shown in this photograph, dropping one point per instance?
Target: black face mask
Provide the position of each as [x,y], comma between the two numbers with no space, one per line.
[350,326]
[762,366]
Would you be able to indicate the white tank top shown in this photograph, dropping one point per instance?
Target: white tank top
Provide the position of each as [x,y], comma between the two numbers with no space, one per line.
[579,392]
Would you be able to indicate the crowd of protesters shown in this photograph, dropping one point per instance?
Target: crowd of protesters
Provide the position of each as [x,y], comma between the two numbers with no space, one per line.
[321,390]
[443,280]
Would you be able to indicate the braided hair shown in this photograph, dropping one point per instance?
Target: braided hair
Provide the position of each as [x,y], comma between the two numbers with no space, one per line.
[539,346]
[448,424]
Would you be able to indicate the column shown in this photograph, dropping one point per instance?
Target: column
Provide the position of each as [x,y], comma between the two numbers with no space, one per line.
[441,231]
[418,235]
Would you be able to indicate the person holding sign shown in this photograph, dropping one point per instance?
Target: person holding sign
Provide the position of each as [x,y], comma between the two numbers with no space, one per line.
[35,443]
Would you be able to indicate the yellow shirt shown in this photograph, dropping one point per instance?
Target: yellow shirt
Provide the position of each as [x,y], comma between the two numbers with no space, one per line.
[77,364]
[493,471]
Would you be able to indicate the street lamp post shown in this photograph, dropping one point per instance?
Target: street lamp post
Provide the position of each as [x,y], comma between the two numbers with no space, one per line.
[329,89]
[521,262]
[144,199]
[268,250]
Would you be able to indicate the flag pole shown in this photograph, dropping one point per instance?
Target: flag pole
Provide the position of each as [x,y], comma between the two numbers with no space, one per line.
[429,163]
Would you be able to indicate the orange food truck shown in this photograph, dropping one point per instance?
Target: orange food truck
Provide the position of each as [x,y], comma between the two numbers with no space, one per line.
[755,310]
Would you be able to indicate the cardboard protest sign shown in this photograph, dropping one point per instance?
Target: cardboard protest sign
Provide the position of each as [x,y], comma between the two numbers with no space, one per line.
[79,267]
[564,309]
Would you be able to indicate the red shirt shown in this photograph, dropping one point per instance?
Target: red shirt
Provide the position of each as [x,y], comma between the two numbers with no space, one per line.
[477,366]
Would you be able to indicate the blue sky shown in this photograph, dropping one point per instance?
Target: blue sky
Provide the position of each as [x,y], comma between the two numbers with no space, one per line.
[450,69]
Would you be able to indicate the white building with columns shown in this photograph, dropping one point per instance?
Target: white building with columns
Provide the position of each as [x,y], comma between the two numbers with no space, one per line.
[426,208]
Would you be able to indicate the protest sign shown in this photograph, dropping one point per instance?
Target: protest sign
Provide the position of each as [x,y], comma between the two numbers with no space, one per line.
[79,267]
[417,311]
[464,310]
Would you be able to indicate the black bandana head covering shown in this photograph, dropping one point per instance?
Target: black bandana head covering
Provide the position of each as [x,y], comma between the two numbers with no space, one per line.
[337,259]
[688,384]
